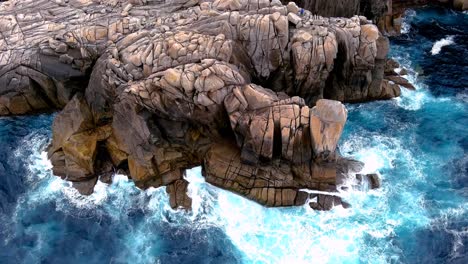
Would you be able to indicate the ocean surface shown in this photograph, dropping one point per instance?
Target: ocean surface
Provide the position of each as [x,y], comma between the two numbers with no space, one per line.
[418,144]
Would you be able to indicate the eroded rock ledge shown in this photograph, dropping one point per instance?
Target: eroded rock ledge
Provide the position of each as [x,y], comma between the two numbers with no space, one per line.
[250,90]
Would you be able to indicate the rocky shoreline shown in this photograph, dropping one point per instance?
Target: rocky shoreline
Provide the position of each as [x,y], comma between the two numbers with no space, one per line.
[249,90]
[386,14]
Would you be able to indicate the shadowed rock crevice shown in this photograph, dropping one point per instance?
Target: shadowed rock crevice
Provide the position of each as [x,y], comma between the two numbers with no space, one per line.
[235,86]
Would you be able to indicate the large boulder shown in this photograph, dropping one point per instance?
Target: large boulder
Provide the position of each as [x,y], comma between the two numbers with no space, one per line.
[327,120]
[178,194]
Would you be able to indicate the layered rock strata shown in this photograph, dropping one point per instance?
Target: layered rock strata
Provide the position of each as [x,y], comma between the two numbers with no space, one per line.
[154,88]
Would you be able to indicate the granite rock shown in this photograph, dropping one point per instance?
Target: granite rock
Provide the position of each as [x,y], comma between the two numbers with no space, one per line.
[152,88]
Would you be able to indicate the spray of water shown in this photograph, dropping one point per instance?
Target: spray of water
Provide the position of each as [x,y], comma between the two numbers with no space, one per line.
[438,45]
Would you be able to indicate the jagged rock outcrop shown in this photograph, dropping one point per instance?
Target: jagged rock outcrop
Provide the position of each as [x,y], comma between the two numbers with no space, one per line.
[49,47]
[155,88]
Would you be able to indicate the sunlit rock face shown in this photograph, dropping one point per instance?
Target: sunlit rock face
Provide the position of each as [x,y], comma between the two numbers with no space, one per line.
[326,123]
[244,88]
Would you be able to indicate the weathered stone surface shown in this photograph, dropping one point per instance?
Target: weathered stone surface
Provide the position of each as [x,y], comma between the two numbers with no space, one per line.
[371,181]
[276,184]
[45,63]
[327,120]
[182,84]
[325,202]
[178,194]
[85,187]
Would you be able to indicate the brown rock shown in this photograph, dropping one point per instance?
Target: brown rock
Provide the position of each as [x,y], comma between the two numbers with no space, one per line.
[371,181]
[325,202]
[85,187]
[189,91]
[81,148]
[178,195]
[401,81]
[327,121]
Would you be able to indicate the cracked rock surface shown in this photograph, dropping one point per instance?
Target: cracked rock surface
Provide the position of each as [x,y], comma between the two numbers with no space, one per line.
[250,90]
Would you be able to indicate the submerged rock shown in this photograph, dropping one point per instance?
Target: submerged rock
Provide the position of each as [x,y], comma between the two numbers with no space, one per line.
[370,181]
[183,84]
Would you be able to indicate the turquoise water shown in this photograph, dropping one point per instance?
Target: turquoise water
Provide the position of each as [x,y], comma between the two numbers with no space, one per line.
[417,143]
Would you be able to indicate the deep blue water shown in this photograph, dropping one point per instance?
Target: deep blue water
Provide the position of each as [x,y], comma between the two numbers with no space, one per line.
[417,143]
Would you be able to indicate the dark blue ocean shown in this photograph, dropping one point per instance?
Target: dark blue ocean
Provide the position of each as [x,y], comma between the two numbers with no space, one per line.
[418,144]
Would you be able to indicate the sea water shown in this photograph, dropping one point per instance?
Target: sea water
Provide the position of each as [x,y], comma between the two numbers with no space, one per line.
[417,144]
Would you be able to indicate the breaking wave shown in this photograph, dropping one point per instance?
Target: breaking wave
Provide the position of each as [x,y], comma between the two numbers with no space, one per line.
[438,45]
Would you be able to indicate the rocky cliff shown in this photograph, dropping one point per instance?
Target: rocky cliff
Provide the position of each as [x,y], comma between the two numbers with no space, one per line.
[250,90]
[387,14]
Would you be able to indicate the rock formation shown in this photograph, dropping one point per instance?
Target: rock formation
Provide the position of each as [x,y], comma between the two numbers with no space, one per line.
[390,21]
[387,14]
[244,88]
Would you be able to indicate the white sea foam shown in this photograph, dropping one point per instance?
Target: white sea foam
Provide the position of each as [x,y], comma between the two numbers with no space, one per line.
[438,45]
[411,100]
[405,28]
[301,235]
[415,100]
[448,216]
[263,235]
[268,235]
[406,24]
